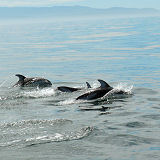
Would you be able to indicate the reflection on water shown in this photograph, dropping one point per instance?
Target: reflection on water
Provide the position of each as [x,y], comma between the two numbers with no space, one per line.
[46,123]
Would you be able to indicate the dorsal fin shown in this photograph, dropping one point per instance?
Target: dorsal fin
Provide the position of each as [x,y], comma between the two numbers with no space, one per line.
[103,84]
[21,77]
[88,85]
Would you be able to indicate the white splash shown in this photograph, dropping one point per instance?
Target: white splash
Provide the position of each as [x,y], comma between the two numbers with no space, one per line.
[58,136]
[119,87]
[68,101]
[95,85]
[124,87]
[47,92]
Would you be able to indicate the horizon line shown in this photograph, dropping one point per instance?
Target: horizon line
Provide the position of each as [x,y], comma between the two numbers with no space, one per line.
[73,6]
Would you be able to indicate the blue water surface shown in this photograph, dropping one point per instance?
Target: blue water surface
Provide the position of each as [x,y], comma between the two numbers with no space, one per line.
[46,124]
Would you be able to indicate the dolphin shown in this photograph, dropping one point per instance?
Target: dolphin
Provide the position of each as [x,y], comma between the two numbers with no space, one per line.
[32,82]
[71,89]
[98,92]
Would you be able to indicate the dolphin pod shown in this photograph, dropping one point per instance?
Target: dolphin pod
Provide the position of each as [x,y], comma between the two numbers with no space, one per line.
[42,82]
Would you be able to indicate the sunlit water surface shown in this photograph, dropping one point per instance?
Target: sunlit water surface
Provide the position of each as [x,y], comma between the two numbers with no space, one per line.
[47,124]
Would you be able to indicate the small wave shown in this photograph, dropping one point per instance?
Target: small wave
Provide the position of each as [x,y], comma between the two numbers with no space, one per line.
[19,133]
[33,132]
[10,143]
[47,92]
[59,137]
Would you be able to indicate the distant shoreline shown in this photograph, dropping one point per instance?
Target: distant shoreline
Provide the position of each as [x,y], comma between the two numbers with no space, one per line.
[73,11]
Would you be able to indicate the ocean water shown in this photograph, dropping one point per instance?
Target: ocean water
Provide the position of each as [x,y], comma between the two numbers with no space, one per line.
[47,124]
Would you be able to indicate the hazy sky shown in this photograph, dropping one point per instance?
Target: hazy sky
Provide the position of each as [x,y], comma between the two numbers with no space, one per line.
[90,3]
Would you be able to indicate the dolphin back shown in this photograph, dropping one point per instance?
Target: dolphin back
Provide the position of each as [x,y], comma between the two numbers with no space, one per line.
[21,77]
[67,89]
[20,81]
[92,95]
[104,84]
[32,82]
[37,82]
[88,85]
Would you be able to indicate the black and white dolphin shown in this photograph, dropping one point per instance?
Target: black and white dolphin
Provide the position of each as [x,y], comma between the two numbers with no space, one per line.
[98,92]
[32,82]
[71,89]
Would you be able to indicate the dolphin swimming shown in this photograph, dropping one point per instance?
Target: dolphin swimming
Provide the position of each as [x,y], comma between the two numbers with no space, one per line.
[98,92]
[32,82]
[71,89]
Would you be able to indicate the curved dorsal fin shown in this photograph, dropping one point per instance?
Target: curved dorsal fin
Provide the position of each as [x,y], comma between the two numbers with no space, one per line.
[88,85]
[21,77]
[103,84]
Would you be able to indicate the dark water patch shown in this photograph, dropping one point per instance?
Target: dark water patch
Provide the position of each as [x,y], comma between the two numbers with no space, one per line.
[63,110]
[135,124]
[153,99]
[91,108]
[105,101]
[111,136]
[156,107]
[104,113]
[125,113]
[145,91]
[104,110]
[152,116]
[112,128]
[129,140]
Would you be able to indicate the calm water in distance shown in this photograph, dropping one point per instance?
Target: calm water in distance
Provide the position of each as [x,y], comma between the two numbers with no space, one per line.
[47,124]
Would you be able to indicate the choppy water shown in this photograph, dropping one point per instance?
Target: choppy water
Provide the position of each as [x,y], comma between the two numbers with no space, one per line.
[47,124]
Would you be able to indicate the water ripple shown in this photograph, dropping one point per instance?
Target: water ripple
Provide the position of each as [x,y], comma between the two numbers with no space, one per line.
[58,137]
[34,122]
[33,132]
[129,140]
